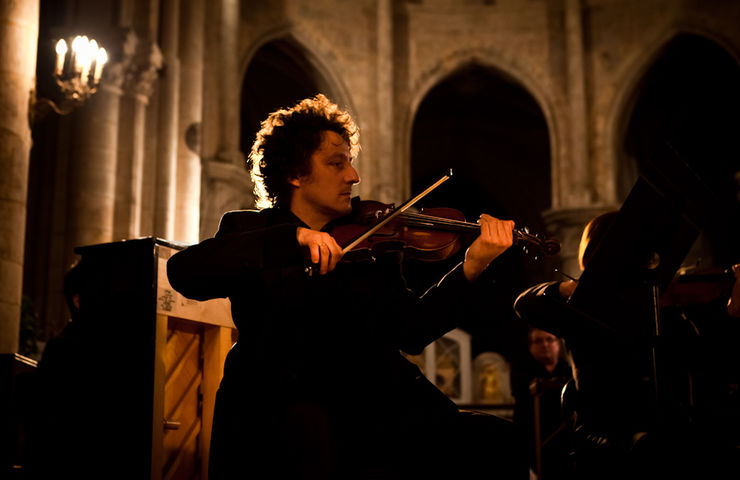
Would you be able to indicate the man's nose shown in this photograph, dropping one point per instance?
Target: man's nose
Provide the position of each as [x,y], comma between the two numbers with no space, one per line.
[352,175]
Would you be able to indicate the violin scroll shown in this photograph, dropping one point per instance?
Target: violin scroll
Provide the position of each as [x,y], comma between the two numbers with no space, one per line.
[534,244]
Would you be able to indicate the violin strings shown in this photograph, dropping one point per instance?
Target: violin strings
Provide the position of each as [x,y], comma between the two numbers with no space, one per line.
[426,219]
[461,225]
[420,220]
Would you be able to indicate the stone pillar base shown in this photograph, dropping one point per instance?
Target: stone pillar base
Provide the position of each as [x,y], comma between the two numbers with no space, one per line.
[226,186]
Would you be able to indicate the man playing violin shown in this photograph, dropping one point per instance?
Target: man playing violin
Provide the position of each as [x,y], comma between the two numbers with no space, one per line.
[316,386]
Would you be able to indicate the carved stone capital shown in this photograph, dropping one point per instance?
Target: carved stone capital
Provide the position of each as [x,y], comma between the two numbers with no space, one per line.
[236,175]
[143,71]
[122,45]
[232,157]
[227,186]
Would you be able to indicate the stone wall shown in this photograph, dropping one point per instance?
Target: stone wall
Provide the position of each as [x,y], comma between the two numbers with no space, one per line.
[581,60]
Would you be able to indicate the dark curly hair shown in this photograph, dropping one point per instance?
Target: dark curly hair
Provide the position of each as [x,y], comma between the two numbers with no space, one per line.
[286,141]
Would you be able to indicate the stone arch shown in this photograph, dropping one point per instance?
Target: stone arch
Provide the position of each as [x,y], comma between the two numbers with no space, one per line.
[467,118]
[628,84]
[486,58]
[655,133]
[493,132]
[278,70]
[314,55]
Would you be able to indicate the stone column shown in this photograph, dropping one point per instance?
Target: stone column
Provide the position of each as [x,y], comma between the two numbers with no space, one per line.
[19,29]
[169,94]
[137,88]
[92,171]
[227,184]
[575,174]
[230,86]
[576,193]
[187,210]
[385,171]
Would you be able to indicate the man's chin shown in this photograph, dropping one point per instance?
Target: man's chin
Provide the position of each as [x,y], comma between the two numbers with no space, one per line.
[346,208]
[340,211]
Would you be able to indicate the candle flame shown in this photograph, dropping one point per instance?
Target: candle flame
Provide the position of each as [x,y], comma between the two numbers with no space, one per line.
[61,47]
[102,57]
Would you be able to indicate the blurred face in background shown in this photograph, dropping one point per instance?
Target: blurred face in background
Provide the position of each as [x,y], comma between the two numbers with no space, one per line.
[544,347]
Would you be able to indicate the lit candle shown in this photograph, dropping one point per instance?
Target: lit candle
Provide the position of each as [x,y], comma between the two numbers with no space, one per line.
[85,59]
[61,50]
[92,51]
[76,50]
[100,59]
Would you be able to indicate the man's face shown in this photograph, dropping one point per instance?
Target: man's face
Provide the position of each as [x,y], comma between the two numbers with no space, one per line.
[544,347]
[325,193]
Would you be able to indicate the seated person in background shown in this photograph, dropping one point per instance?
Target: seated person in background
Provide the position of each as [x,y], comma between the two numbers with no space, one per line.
[58,433]
[615,403]
[543,372]
[733,304]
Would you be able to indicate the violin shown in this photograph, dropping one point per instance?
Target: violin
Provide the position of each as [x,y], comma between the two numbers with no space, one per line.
[430,234]
[698,288]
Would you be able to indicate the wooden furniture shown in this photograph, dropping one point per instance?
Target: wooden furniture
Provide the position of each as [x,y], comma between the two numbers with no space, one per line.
[160,359]
[16,372]
[537,388]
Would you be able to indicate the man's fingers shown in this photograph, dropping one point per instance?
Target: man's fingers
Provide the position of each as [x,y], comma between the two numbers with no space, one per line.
[487,227]
[497,231]
[500,231]
[324,249]
[315,253]
[505,233]
[509,232]
[325,258]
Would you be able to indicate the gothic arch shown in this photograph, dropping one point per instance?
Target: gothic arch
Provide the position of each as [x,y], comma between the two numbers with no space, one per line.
[486,58]
[634,72]
[300,41]
[470,114]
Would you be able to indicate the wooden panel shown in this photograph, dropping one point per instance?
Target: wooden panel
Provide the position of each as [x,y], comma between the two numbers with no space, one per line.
[182,403]
[180,346]
[191,353]
[218,342]
[160,339]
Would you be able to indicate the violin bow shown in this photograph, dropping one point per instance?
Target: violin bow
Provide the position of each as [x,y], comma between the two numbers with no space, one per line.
[405,206]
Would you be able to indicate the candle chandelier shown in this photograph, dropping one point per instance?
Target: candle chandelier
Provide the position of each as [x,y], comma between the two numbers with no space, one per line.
[77,73]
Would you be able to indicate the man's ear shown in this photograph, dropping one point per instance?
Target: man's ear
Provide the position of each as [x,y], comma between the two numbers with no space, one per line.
[295,181]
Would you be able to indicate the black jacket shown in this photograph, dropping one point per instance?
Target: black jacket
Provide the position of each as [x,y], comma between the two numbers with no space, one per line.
[332,340]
